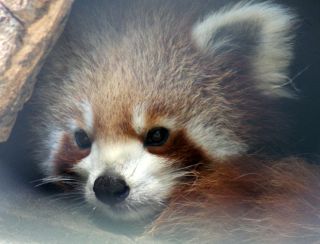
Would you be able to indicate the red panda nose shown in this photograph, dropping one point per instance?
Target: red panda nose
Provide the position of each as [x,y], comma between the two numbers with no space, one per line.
[110,189]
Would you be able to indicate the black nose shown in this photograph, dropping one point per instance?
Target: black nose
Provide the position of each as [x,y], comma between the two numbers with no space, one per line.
[111,189]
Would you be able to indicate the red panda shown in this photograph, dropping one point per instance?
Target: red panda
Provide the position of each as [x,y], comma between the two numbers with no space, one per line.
[169,107]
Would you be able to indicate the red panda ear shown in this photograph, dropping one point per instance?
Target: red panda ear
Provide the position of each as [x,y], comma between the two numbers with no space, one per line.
[258,36]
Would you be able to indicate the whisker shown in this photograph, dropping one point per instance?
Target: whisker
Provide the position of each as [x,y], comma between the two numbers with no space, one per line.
[73,208]
[291,80]
[64,197]
[49,180]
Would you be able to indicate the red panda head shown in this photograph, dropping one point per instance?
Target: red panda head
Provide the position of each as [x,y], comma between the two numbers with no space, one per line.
[157,97]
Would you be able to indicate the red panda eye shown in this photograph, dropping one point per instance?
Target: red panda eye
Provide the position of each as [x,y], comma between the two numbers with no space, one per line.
[82,139]
[156,137]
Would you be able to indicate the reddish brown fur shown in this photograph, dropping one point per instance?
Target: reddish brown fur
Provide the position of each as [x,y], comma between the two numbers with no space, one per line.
[181,150]
[246,200]
[68,154]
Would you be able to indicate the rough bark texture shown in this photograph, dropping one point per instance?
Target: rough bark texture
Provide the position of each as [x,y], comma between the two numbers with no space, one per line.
[28,29]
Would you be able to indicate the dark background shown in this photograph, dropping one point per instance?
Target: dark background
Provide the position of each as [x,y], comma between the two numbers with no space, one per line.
[307,50]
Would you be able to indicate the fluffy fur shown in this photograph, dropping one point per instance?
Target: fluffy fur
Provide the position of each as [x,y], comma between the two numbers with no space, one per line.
[246,201]
[210,74]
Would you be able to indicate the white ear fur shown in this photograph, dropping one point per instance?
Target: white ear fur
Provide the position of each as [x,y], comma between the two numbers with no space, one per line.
[260,31]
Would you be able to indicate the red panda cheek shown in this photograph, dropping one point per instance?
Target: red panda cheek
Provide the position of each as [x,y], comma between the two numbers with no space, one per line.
[68,154]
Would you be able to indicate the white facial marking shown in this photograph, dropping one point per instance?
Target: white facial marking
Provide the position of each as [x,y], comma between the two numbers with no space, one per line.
[218,142]
[53,145]
[138,118]
[149,177]
[169,123]
[87,115]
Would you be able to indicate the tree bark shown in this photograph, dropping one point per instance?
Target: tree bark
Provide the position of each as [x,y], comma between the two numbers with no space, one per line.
[28,30]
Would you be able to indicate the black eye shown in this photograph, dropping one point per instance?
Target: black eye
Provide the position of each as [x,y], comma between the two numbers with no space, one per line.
[156,137]
[82,139]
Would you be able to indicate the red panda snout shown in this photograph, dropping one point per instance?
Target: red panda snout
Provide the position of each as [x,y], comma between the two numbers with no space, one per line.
[111,189]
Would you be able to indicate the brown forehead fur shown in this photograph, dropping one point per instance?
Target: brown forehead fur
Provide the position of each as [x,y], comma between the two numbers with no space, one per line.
[180,148]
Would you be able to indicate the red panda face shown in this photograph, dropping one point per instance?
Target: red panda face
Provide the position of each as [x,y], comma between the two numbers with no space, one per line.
[127,165]
[134,107]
